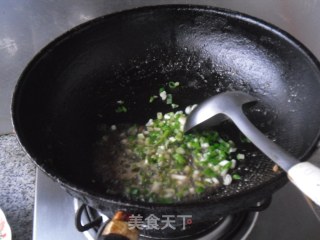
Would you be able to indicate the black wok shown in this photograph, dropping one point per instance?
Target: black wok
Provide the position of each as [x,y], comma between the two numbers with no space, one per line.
[71,88]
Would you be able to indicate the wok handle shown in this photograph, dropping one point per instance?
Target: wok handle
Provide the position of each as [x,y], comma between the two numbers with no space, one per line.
[306,177]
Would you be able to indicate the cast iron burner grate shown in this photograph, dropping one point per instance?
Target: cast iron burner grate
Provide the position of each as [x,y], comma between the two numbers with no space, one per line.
[232,227]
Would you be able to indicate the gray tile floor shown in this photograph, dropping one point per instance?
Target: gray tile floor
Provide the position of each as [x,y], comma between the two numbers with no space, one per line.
[17,179]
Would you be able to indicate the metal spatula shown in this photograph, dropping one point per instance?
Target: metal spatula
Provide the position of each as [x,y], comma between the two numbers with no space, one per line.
[214,110]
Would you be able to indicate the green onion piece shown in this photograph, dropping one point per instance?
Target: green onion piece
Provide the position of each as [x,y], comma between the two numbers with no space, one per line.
[121,109]
[213,160]
[236,177]
[152,98]
[173,106]
[173,84]
[160,149]
[169,99]
[180,159]
[161,89]
[199,190]
[134,191]
[209,173]
[240,156]
[227,166]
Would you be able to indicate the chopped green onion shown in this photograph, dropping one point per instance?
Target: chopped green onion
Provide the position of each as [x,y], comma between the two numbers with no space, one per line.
[134,191]
[173,106]
[227,166]
[163,95]
[121,109]
[209,173]
[173,84]
[236,177]
[169,99]
[161,89]
[152,98]
[200,190]
[160,152]
[180,159]
[240,156]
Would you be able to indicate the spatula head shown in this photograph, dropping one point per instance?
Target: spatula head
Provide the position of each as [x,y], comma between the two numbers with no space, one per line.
[216,109]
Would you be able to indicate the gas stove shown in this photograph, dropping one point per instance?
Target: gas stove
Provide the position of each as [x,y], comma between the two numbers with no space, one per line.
[236,227]
[288,217]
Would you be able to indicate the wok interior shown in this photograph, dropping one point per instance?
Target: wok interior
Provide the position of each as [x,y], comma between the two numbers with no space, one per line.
[73,86]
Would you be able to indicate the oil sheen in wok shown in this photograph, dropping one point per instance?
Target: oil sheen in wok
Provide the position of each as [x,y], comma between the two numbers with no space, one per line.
[159,163]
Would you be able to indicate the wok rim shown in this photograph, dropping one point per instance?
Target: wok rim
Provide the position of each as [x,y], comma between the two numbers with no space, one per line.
[111,199]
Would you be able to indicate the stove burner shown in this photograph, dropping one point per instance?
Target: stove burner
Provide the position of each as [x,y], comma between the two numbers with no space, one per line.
[235,227]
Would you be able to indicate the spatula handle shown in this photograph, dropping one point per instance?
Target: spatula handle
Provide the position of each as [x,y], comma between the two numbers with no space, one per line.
[306,177]
[268,147]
